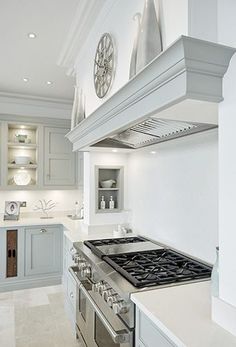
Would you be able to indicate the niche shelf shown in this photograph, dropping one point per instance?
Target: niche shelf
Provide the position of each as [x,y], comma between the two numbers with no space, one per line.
[106,173]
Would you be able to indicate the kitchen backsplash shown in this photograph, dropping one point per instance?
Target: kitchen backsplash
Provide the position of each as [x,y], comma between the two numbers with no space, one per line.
[65,199]
[173,193]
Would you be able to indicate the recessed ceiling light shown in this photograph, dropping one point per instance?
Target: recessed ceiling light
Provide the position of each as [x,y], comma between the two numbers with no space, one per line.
[32,35]
[25,79]
[153,152]
[49,83]
[115,150]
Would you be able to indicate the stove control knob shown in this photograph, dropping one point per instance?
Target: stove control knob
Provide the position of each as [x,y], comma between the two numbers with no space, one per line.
[81,264]
[103,287]
[97,285]
[120,307]
[86,271]
[112,299]
[76,258]
[107,292]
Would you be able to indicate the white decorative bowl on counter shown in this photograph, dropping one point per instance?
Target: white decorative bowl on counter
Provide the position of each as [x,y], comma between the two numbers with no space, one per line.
[107,183]
[22,160]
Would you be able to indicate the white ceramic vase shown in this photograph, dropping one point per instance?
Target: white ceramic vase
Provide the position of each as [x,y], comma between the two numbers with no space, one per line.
[149,43]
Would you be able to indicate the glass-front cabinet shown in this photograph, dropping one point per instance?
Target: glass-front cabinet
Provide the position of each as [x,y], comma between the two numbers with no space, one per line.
[22,155]
[29,151]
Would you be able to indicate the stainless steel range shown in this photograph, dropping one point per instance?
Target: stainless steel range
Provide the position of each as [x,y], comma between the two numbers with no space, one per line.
[109,270]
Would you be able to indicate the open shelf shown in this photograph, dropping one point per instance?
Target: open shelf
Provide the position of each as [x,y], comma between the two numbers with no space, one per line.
[17,166]
[16,145]
[22,142]
[107,189]
[105,173]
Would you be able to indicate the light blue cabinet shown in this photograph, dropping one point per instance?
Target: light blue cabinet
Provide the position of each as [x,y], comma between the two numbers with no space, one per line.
[59,160]
[43,250]
[39,257]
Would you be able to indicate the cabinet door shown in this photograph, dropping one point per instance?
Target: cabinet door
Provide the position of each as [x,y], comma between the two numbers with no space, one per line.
[148,334]
[43,250]
[60,168]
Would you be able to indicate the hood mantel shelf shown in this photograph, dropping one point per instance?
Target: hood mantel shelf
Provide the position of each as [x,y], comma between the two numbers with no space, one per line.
[190,69]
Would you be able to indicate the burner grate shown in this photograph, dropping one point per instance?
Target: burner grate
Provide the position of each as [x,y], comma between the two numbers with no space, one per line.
[157,267]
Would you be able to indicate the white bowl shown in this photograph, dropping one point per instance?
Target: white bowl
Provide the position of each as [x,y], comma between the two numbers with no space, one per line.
[107,183]
[22,160]
[22,178]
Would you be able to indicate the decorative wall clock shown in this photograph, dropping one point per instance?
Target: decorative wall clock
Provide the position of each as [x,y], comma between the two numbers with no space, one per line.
[12,210]
[104,66]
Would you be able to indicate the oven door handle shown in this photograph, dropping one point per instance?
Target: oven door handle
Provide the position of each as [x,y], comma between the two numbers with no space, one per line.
[73,274]
[120,336]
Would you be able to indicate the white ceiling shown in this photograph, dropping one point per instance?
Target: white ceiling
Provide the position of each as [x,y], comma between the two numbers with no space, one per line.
[35,58]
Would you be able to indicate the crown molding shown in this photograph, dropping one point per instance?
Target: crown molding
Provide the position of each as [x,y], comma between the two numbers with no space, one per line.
[29,105]
[88,15]
[36,98]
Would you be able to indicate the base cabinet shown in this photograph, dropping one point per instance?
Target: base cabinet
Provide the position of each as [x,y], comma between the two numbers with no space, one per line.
[42,250]
[38,260]
[148,334]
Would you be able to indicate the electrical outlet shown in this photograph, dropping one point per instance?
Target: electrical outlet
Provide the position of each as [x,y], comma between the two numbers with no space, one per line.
[23,204]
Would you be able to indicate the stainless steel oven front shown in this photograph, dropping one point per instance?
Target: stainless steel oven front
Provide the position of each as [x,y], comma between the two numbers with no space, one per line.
[97,324]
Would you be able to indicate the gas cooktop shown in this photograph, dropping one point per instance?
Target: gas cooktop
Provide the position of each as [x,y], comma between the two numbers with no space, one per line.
[157,267]
[145,263]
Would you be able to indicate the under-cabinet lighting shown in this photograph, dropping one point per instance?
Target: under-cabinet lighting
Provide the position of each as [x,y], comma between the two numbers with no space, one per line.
[49,83]
[32,35]
[25,79]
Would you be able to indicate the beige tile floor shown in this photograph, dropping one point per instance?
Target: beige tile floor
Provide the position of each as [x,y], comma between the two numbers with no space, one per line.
[35,318]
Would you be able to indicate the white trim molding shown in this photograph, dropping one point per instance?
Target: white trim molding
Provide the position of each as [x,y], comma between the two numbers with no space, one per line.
[85,16]
[188,69]
[89,16]
[33,106]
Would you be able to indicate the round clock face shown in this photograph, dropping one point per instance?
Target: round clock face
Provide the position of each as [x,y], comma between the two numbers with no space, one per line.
[104,65]
[12,208]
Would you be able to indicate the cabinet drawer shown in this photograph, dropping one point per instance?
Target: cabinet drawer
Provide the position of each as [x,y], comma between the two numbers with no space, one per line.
[148,333]
[43,251]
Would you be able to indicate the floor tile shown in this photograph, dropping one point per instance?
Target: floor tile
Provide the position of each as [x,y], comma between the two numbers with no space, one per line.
[35,318]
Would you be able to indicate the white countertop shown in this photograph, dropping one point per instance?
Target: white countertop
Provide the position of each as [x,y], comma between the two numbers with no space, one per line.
[75,230]
[183,313]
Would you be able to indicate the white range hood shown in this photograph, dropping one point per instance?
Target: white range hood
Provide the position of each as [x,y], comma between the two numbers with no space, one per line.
[179,90]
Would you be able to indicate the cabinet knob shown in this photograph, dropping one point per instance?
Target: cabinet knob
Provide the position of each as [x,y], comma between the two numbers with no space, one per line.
[43,230]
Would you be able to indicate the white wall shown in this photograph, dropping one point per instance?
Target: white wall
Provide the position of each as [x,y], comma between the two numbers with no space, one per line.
[65,199]
[173,194]
[227,162]
[120,24]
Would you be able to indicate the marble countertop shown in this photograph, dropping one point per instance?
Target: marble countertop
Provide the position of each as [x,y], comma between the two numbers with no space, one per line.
[183,313]
[75,230]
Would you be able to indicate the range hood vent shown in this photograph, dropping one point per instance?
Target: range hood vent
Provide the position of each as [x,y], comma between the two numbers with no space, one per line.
[169,98]
[152,131]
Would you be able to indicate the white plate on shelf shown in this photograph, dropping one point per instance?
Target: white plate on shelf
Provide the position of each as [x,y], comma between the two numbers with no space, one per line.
[22,178]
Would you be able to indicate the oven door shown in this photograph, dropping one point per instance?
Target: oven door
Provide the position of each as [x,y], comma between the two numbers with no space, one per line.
[98,324]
